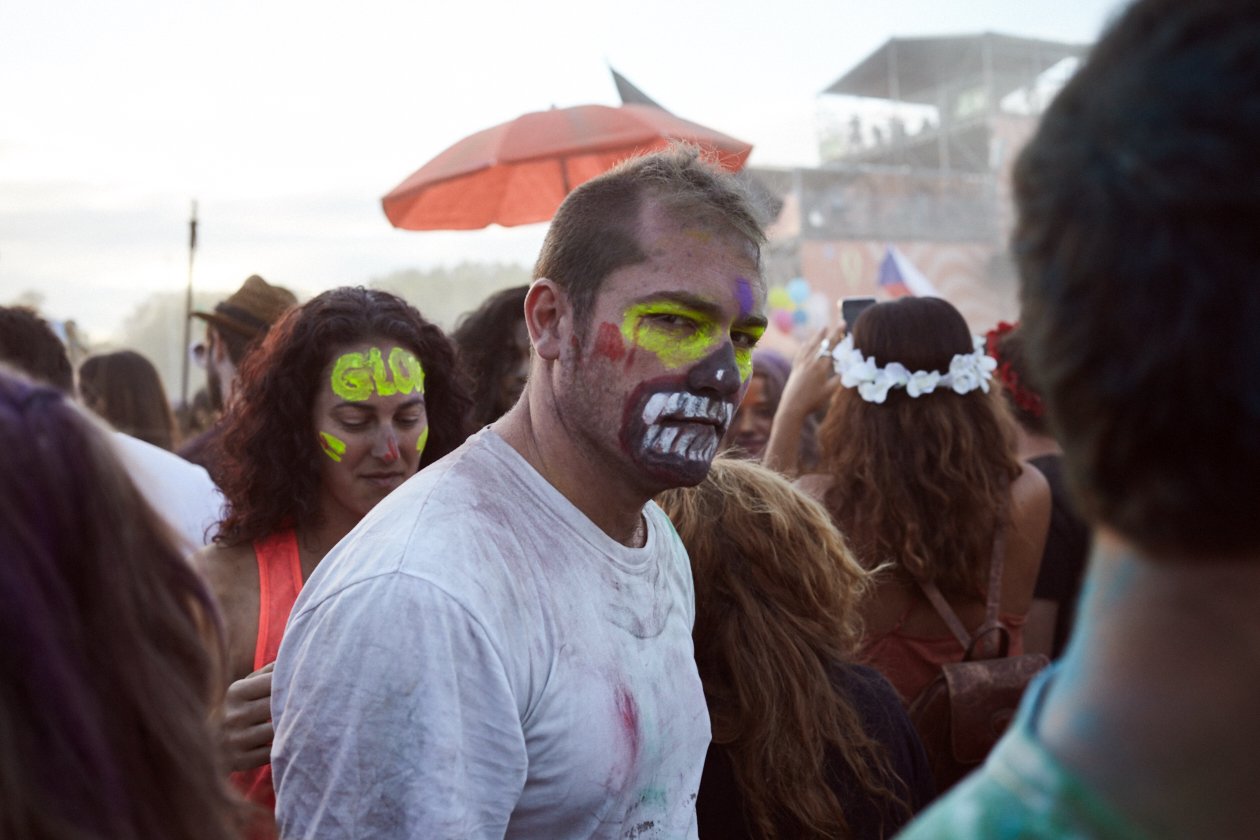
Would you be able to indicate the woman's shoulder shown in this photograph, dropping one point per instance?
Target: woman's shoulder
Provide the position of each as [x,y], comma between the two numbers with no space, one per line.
[1026,540]
[1030,484]
[228,569]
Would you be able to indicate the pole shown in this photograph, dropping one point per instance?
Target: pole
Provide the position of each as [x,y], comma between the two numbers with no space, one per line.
[188,302]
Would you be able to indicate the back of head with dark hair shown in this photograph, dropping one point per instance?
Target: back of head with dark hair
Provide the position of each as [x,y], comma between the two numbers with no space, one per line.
[28,343]
[596,229]
[268,450]
[484,339]
[125,390]
[106,683]
[1138,246]
[922,483]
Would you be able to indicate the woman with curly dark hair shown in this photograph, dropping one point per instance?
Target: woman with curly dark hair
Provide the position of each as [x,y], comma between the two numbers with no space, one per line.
[110,650]
[347,396]
[806,743]
[921,476]
[493,347]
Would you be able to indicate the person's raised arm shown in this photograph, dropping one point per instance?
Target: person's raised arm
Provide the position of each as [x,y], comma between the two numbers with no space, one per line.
[810,386]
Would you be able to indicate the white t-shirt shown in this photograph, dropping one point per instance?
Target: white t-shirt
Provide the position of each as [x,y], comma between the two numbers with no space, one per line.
[478,659]
[181,492]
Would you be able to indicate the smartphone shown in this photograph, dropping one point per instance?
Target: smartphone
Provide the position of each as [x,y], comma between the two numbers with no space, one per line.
[851,308]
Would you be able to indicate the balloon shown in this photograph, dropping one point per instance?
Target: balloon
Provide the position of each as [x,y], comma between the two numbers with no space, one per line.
[798,289]
[779,298]
[782,319]
[800,317]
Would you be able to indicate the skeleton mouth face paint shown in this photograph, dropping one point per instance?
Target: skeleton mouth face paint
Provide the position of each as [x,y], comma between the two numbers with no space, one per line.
[675,433]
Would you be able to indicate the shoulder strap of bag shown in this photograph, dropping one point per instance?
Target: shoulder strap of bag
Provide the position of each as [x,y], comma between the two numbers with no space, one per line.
[993,599]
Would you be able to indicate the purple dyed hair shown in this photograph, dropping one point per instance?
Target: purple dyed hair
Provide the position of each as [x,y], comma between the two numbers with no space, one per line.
[105,676]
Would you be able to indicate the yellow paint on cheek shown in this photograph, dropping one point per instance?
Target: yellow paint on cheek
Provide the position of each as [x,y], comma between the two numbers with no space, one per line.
[422,440]
[744,355]
[356,376]
[743,361]
[333,446]
[687,341]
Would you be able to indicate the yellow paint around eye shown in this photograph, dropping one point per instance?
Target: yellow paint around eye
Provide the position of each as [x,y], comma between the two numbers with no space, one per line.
[743,355]
[355,376]
[333,446]
[674,347]
[422,440]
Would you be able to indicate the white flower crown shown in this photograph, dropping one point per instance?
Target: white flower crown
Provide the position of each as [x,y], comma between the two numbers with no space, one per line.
[967,372]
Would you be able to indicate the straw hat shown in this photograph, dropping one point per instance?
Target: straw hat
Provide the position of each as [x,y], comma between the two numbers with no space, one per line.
[252,309]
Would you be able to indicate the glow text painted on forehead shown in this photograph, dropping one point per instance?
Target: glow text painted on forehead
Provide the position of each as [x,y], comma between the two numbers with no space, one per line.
[333,446]
[680,335]
[697,443]
[355,377]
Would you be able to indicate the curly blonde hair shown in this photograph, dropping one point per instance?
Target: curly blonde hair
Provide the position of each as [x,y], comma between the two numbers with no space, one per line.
[777,591]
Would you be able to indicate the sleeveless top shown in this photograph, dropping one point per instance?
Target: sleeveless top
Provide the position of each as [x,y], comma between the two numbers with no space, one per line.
[911,662]
[279,582]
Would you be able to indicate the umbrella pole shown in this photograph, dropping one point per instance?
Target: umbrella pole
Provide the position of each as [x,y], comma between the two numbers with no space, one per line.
[188,302]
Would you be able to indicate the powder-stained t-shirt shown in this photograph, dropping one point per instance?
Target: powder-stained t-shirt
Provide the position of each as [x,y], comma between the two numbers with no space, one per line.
[478,659]
[1024,792]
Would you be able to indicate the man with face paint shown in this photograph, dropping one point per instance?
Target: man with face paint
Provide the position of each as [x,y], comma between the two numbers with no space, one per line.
[503,646]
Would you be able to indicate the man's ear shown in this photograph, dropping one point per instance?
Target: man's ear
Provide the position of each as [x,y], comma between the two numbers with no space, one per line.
[548,317]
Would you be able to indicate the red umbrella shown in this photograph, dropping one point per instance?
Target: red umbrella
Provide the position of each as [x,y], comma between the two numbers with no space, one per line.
[520,171]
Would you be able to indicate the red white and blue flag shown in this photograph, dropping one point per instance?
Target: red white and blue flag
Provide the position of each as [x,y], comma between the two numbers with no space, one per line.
[898,277]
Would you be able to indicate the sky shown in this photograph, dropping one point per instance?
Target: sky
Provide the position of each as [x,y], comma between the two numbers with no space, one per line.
[287,121]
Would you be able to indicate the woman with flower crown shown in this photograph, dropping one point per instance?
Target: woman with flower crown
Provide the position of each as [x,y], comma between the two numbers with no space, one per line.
[919,471]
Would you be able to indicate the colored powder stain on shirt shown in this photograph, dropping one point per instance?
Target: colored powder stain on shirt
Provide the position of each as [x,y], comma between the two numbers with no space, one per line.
[608,342]
[628,712]
[332,446]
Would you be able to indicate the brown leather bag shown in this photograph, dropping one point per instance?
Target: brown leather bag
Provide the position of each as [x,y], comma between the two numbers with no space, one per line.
[962,713]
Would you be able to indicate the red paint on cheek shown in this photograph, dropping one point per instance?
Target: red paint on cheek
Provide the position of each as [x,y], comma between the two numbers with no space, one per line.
[608,342]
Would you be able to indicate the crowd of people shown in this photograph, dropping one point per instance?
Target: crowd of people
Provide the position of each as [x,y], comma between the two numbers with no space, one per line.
[593,566]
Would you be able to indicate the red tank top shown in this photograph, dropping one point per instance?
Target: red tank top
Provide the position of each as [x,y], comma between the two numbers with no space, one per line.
[911,662]
[279,582]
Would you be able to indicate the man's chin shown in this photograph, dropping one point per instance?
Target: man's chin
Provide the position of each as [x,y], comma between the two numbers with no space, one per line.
[672,471]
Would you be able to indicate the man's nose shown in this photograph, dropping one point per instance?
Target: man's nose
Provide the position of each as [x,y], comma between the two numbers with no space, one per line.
[716,373]
[385,447]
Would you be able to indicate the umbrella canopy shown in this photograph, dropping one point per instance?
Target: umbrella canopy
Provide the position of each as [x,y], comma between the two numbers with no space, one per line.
[519,172]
